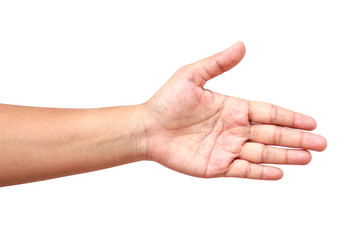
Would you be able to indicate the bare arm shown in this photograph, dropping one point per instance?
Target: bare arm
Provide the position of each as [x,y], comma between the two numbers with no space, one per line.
[43,143]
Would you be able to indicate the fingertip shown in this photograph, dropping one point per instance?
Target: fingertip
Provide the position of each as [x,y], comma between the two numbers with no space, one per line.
[312,123]
[241,46]
[272,173]
[238,44]
[299,157]
[304,122]
[322,143]
[315,142]
[280,175]
[307,157]
[233,55]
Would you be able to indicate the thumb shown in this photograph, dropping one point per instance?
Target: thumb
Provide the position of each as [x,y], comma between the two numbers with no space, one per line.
[210,67]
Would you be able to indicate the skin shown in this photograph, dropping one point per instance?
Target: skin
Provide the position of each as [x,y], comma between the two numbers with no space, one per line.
[184,127]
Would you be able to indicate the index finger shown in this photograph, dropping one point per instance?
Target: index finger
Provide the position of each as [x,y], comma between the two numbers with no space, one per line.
[261,112]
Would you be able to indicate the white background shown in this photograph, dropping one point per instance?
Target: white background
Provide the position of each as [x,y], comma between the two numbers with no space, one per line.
[302,55]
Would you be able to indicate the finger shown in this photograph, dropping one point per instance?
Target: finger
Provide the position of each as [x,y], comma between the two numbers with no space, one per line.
[260,153]
[261,112]
[245,169]
[210,67]
[281,136]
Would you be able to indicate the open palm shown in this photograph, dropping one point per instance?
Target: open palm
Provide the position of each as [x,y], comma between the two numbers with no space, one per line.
[205,134]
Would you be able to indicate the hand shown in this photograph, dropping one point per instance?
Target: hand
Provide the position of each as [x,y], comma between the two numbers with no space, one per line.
[205,134]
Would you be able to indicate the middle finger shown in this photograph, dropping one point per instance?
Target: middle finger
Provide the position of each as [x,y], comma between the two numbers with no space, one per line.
[281,136]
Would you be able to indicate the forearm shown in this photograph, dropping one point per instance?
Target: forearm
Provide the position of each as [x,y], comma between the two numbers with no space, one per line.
[43,143]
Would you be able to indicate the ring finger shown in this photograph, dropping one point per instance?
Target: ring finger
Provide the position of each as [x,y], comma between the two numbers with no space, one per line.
[260,153]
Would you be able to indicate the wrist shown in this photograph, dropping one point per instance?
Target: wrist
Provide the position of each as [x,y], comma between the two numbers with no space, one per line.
[148,126]
[116,134]
[130,127]
[140,131]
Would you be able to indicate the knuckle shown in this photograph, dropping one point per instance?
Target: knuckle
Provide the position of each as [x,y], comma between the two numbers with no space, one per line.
[273,113]
[277,135]
[286,156]
[186,69]
[301,141]
[261,172]
[219,65]
[264,154]
[246,170]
